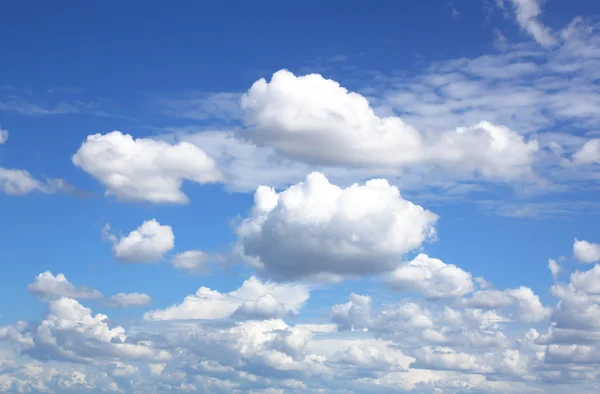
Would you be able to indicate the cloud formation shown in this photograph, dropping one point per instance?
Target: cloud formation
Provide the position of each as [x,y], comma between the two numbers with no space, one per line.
[527,13]
[316,120]
[3,135]
[586,252]
[431,277]
[253,300]
[46,286]
[193,261]
[146,244]
[144,169]
[317,230]
[128,300]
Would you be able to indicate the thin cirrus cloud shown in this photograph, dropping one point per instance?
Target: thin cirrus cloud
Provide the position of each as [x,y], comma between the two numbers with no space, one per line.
[3,135]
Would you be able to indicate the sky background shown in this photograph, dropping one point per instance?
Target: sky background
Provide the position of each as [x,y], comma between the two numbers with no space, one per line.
[510,194]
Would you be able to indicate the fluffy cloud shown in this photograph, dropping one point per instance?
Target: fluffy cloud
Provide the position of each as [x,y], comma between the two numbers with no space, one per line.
[253,300]
[49,287]
[353,315]
[411,346]
[587,281]
[589,153]
[192,260]
[126,300]
[144,169]
[315,120]
[318,230]
[264,307]
[528,305]
[146,244]
[431,277]
[3,136]
[586,252]
[70,332]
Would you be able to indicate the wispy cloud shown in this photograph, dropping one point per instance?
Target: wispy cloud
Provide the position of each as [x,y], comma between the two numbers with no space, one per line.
[220,107]
[527,14]
[56,101]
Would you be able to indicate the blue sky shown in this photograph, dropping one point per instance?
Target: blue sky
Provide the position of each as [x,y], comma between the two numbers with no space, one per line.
[390,194]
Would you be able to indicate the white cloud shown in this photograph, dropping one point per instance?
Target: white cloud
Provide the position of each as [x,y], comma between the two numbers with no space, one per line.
[554,268]
[70,332]
[126,300]
[192,260]
[353,315]
[3,136]
[264,307]
[401,347]
[318,230]
[586,252]
[381,358]
[528,306]
[587,281]
[589,153]
[21,182]
[317,121]
[253,300]
[48,287]
[146,244]
[431,277]
[144,169]
[527,13]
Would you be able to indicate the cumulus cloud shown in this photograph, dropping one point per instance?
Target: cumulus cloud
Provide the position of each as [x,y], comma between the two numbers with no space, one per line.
[3,135]
[193,261]
[316,120]
[431,277]
[127,300]
[586,252]
[70,332]
[144,169]
[49,287]
[589,153]
[587,281]
[146,244]
[353,315]
[315,229]
[528,306]
[264,307]
[253,300]
[400,346]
